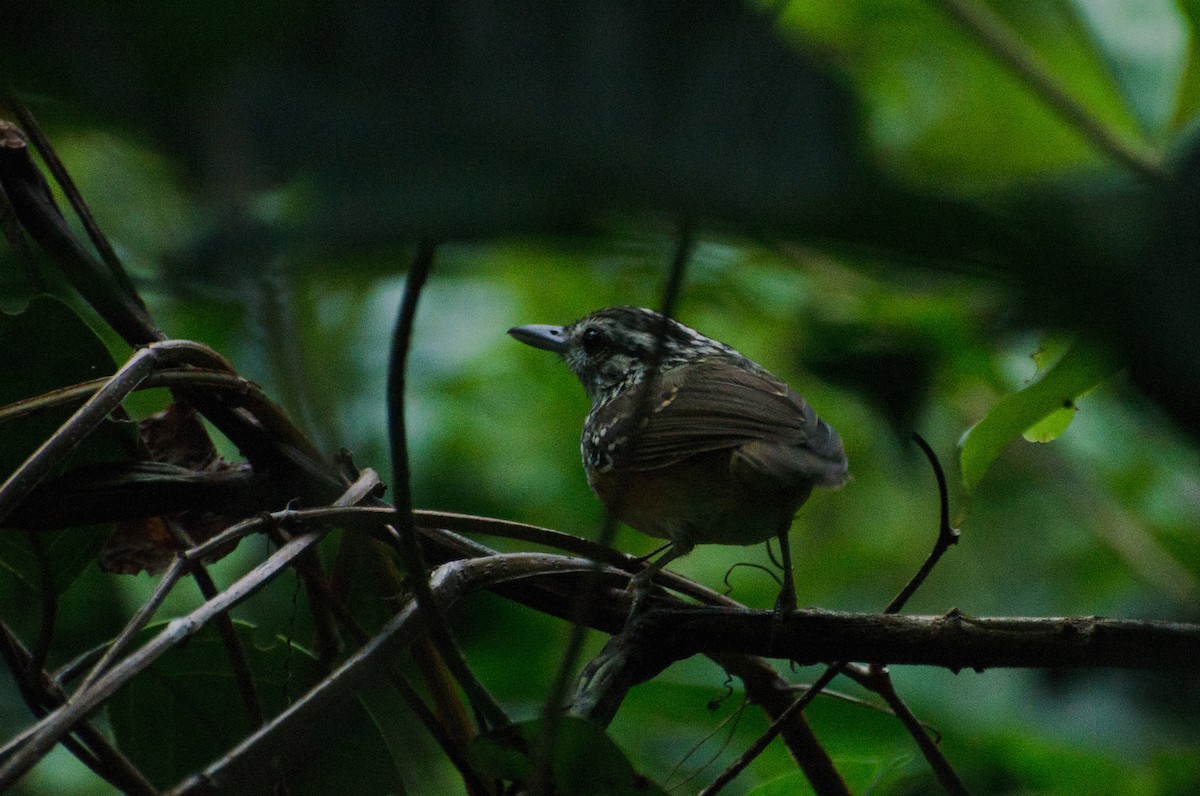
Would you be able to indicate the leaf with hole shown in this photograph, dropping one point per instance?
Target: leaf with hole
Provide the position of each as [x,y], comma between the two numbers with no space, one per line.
[1041,411]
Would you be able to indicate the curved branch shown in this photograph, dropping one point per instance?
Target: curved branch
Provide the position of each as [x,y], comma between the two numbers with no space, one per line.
[492,714]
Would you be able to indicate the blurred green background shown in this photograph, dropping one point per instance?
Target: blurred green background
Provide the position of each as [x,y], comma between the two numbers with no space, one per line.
[886,216]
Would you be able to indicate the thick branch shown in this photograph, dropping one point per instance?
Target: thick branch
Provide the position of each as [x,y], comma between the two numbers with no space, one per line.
[955,641]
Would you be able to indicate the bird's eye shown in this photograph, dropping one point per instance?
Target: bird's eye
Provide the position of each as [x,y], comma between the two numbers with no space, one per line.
[593,341]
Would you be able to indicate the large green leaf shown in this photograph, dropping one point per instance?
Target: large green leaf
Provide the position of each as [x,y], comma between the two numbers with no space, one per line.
[1040,412]
[185,710]
[1145,44]
[43,348]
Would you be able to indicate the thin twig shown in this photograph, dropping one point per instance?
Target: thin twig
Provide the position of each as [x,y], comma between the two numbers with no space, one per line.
[438,652]
[140,619]
[410,550]
[881,683]
[215,380]
[998,39]
[327,642]
[239,664]
[947,535]
[467,523]
[344,509]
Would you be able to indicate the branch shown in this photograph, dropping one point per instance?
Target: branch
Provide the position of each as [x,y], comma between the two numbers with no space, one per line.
[493,716]
[954,641]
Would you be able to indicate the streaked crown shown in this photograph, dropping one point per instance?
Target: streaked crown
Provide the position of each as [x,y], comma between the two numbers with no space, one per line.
[612,349]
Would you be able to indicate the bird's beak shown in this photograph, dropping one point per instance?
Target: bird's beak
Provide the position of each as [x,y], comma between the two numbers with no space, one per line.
[540,335]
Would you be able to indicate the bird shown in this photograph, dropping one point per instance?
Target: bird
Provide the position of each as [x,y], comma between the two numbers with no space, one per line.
[689,440]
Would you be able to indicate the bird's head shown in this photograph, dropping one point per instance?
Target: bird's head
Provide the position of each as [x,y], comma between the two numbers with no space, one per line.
[612,349]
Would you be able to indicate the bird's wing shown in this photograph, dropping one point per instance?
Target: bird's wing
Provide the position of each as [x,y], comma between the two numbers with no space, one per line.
[720,405]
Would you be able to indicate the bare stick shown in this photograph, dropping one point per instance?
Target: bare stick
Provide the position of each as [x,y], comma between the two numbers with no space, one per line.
[140,619]
[881,683]
[410,550]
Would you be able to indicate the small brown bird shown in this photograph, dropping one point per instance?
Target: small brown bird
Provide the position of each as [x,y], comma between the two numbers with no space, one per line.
[715,449]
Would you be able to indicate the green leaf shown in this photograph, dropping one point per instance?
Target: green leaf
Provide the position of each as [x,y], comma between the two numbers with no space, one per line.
[1144,44]
[1042,410]
[1051,426]
[44,348]
[185,710]
[586,762]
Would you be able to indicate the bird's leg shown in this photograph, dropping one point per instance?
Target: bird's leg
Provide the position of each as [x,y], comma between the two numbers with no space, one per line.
[640,583]
[785,603]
